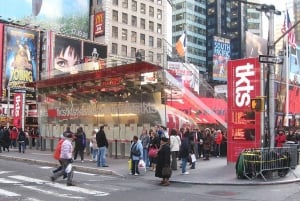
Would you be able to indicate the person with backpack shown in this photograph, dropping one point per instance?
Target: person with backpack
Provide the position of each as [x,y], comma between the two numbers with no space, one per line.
[136,154]
[21,140]
[56,155]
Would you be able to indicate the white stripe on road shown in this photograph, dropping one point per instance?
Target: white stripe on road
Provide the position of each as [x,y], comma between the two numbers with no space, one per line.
[4,172]
[46,167]
[52,193]
[85,173]
[31,199]
[60,186]
[7,181]
[8,193]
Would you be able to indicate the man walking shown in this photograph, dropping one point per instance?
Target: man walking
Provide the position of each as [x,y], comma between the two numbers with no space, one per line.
[102,147]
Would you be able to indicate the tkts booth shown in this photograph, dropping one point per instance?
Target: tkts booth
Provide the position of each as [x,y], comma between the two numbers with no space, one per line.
[243,123]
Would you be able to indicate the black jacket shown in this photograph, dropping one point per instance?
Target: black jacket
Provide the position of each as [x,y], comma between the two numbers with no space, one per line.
[101,139]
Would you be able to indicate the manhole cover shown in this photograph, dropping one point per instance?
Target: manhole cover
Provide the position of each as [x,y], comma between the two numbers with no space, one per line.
[222,193]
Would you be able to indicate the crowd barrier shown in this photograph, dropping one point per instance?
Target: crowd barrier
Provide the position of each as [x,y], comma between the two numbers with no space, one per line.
[266,162]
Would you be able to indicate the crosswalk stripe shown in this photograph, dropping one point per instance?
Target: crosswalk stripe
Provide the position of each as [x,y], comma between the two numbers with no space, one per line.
[60,186]
[4,172]
[7,181]
[8,193]
[48,192]
[84,173]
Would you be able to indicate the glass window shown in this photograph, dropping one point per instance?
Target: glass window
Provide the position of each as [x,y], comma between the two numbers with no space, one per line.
[133,21]
[159,28]
[151,26]
[115,32]
[132,52]
[124,34]
[142,39]
[159,14]
[159,58]
[151,11]
[143,24]
[134,6]
[143,8]
[151,41]
[115,15]
[150,55]
[159,43]
[142,53]
[125,3]
[133,36]
[124,50]
[114,48]
[124,18]
[115,2]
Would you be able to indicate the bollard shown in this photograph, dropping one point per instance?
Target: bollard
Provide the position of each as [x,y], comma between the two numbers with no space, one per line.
[30,142]
[51,144]
[110,150]
[116,149]
[122,149]
[43,147]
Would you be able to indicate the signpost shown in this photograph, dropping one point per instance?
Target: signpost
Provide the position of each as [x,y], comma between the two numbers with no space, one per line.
[269,59]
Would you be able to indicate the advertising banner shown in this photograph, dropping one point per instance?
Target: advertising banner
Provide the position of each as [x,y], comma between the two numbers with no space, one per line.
[1,59]
[18,110]
[99,24]
[243,123]
[20,57]
[221,54]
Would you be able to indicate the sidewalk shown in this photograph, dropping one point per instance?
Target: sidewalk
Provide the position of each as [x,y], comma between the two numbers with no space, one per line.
[212,172]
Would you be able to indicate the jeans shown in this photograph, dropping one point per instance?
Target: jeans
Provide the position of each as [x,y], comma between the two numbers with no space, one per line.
[184,161]
[101,160]
[135,167]
[22,146]
[62,172]
[146,157]
[94,154]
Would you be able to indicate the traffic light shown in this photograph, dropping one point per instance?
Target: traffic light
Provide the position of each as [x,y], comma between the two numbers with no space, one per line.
[258,104]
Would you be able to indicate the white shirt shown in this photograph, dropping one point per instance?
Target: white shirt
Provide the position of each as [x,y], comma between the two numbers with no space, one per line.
[175,142]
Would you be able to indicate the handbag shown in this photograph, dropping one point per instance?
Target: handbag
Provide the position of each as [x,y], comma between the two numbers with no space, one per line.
[153,152]
[166,172]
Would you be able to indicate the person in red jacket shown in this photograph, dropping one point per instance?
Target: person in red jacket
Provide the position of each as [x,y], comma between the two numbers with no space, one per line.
[13,137]
[280,138]
[219,138]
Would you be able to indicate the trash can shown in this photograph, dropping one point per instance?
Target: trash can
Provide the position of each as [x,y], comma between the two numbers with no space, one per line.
[293,149]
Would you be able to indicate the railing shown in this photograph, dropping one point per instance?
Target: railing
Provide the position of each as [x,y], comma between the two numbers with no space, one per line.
[267,162]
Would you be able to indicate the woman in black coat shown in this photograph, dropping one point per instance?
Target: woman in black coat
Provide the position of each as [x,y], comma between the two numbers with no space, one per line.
[163,160]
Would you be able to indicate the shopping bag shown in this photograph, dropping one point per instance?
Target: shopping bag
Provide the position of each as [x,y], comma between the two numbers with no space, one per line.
[166,172]
[193,158]
[68,168]
[142,164]
[129,164]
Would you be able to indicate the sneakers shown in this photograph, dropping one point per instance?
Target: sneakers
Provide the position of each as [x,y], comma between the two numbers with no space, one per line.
[136,174]
[185,173]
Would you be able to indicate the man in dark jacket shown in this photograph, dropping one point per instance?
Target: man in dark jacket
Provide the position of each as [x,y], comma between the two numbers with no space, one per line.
[102,145]
[184,152]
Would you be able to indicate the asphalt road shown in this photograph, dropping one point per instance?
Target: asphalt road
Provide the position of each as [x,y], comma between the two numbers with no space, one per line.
[24,182]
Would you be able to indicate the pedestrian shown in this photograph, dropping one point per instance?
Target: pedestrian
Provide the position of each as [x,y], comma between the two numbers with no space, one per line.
[218,141]
[13,137]
[80,143]
[6,139]
[280,138]
[154,143]
[163,161]
[1,138]
[56,156]
[175,143]
[66,161]
[93,145]
[184,152]
[207,143]
[102,144]
[136,150]
[145,140]
[22,140]
[67,132]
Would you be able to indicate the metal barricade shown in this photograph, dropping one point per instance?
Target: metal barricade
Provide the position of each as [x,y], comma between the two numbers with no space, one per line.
[268,162]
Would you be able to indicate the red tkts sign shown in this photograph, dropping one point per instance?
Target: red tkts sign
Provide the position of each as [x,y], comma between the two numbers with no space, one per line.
[18,110]
[243,123]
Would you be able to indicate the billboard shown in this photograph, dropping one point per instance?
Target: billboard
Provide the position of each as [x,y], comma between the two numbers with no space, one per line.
[70,17]
[221,54]
[255,45]
[20,57]
[99,24]
[243,123]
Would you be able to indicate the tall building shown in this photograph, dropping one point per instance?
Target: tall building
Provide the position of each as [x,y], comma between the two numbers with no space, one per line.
[134,26]
[189,16]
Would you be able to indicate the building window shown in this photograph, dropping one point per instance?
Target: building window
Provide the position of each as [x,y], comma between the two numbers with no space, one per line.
[150,55]
[134,6]
[159,2]
[125,3]
[124,18]
[151,26]
[133,36]
[151,41]
[158,28]
[159,58]
[159,43]
[115,32]
[132,52]
[115,2]
[124,34]
[133,21]
[151,11]
[159,14]
[124,50]
[142,53]
[143,8]
[143,24]
[114,48]
[142,39]
[115,15]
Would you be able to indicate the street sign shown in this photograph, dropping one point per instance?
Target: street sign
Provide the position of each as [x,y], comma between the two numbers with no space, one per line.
[269,59]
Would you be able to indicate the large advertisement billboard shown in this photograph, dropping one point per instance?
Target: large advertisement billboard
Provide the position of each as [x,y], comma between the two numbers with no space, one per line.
[221,54]
[99,24]
[20,57]
[243,123]
[70,17]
